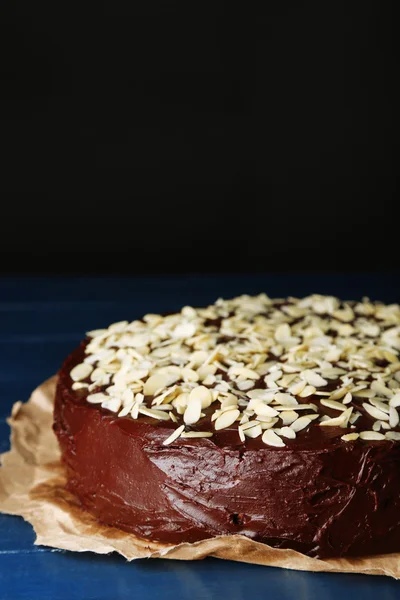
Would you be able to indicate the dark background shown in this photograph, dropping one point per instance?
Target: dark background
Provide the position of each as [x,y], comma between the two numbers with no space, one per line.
[168,137]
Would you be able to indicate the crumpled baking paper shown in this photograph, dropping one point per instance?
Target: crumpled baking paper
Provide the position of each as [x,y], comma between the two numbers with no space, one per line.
[32,485]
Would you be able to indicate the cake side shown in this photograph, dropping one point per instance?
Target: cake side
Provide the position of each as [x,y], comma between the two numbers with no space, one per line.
[342,500]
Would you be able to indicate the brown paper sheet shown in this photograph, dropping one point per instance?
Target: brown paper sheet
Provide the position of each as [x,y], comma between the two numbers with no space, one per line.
[32,485]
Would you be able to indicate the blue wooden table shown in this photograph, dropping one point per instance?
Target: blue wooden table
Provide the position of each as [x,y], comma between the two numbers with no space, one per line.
[41,321]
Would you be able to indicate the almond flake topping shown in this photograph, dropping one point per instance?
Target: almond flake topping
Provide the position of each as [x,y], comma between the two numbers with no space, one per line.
[288,417]
[333,404]
[312,378]
[350,437]
[300,423]
[253,432]
[193,411]
[81,372]
[371,435]
[272,439]
[254,364]
[174,436]
[340,421]
[288,432]
[113,404]
[375,412]
[263,410]
[227,419]
[395,400]
[97,398]
[78,385]
[393,417]
[197,434]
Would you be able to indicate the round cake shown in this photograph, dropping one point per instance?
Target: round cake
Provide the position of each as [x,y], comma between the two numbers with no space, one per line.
[274,419]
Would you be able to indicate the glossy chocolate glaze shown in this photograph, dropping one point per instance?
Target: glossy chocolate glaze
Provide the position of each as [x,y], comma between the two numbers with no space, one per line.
[318,494]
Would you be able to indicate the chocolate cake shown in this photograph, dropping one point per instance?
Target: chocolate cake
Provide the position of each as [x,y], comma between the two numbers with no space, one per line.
[274,419]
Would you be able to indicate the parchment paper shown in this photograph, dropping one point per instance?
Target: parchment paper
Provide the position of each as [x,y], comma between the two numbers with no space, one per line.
[32,485]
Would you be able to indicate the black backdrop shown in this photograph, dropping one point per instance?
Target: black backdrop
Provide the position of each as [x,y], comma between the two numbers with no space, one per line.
[160,136]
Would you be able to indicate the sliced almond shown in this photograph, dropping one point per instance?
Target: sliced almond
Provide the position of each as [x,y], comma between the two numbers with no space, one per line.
[393,435]
[339,393]
[174,435]
[96,333]
[197,434]
[126,410]
[371,435]
[313,378]
[288,416]
[98,374]
[350,437]
[97,398]
[300,423]
[189,374]
[156,414]
[81,371]
[155,383]
[193,411]
[245,384]
[393,417]
[263,410]
[253,432]
[282,333]
[297,388]
[275,374]
[384,406]
[203,394]
[118,327]
[298,407]
[333,405]
[364,393]
[313,417]
[375,412]
[285,399]
[340,421]
[244,373]
[113,404]
[261,394]
[272,439]
[395,400]
[347,399]
[309,390]
[206,370]
[78,385]
[288,432]
[226,419]
[184,330]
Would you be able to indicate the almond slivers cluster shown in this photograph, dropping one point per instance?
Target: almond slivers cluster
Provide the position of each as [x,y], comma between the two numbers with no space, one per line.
[269,368]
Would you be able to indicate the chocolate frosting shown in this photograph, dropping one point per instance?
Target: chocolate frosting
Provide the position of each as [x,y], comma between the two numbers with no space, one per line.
[317,494]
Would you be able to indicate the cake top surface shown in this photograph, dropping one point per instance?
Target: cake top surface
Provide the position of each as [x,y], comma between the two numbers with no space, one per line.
[272,370]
